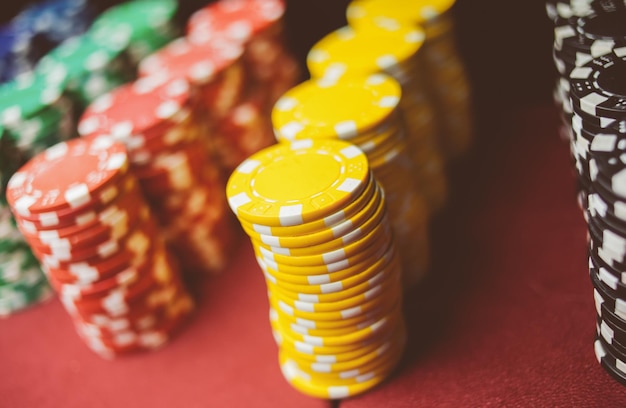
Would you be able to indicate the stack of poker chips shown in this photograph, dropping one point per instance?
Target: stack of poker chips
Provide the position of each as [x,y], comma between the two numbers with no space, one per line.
[390,47]
[82,213]
[36,30]
[258,26]
[365,111]
[22,283]
[441,67]
[166,144]
[317,220]
[138,27]
[598,100]
[582,33]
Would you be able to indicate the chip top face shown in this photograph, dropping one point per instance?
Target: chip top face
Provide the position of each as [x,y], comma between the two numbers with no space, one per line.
[66,175]
[413,11]
[329,108]
[388,46]
[291,184]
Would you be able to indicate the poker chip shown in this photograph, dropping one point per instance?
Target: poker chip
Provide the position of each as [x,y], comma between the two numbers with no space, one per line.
[390,48]
[317,220]
[165,139]
[81,212]
[138,28]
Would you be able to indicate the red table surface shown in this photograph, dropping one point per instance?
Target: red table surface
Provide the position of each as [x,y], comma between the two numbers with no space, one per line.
[505,319]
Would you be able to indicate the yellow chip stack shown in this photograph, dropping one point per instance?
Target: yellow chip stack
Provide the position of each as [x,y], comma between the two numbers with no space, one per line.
[365,111]
[446,77]
[390,47]
[317,220]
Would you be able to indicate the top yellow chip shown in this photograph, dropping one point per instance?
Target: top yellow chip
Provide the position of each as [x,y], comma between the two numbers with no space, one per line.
[418,12]
[294,183]
[385,46]
[326,108]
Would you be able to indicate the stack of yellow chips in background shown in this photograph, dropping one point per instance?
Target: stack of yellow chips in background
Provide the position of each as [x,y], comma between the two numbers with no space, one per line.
[317,220]
[440,62]
[365,111]
[392,48]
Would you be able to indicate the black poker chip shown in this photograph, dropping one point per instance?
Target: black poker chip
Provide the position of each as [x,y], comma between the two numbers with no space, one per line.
[615,367]
[598,88]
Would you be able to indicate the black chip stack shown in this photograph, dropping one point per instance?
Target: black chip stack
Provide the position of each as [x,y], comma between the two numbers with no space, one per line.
[590,56]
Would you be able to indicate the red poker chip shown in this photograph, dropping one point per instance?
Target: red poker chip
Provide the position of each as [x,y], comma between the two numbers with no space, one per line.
[132,341]
[67,176]
[197,63]
[239,20]
[137,108]
[119,303]
[96,268]
[134,241]
[214,70]
[142,154]
[84,214]
[80,234]
[126,277]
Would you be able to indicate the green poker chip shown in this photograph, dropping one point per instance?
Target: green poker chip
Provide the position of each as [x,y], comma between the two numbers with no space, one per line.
[139,27]
[71,61]
[24,98]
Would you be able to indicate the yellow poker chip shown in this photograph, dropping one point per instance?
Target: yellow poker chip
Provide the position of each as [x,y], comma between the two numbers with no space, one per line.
[377,366]
[387,353]
[309,386]
[360,12]
[379,301]
[371,49]
[330,108]
[356,335]
[332,325]
[295,183]
[365,272]
[341,215]
[386,287]
[334,238]
[355,290]
[320,279]
[353,251]
[341,331]
[303,352]
[306,357]
[377,249]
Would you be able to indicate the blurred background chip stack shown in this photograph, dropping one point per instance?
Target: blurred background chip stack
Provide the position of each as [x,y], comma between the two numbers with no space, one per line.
[440,68]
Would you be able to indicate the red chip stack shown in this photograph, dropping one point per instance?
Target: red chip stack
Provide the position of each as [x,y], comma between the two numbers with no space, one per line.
[271,70]
[154,119]
[81,210]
